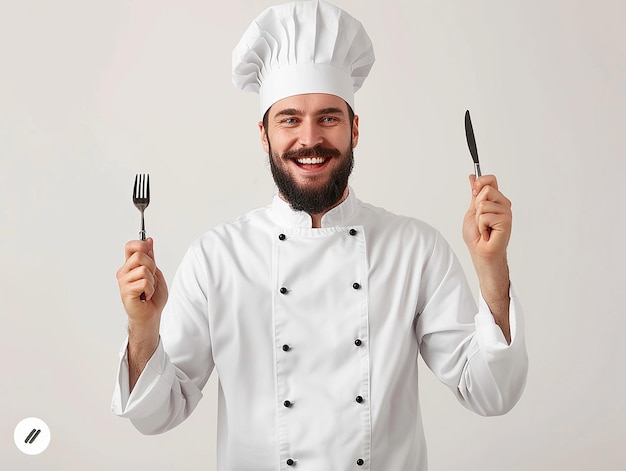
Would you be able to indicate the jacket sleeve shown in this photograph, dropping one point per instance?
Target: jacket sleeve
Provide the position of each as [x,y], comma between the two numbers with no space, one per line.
[461,343]
[170,386]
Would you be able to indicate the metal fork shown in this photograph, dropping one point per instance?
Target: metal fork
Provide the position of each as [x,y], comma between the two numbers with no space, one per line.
[141,198]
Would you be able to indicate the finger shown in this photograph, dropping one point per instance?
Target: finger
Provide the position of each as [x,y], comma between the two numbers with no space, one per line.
[491,224]
[156,287]
[138,281]
[134,290]
[139,273]
[159,278]
[484,229]
[492,216]
[494,207]
[492,203]
[150,242]
[472,206]
[489,193]
[472,179]
[136,276]
[134,246]
[136,260]
[160,287]
[483,181]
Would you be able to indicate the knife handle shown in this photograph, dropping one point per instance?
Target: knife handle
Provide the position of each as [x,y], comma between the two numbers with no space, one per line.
[477,169]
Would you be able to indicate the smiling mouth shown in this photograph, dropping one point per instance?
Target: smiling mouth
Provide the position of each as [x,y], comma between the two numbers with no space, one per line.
[311,160]
[311,165]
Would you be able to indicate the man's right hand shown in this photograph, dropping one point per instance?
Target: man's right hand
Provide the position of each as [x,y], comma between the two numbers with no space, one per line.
[138,275]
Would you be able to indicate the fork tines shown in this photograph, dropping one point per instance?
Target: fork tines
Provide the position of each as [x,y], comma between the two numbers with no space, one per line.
[141,190]
[141,198]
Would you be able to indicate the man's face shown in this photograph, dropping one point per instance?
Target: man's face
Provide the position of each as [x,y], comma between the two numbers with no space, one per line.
[309,139]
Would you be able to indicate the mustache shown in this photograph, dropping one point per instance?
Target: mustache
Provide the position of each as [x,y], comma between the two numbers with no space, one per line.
[317,151]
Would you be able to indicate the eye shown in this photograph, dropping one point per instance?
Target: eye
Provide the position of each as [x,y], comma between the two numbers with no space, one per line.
[289,121]
[329,120]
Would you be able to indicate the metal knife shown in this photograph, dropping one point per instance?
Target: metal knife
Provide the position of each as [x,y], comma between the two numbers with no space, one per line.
[471,143]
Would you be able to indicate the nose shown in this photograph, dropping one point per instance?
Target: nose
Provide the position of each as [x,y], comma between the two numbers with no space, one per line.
[309,134]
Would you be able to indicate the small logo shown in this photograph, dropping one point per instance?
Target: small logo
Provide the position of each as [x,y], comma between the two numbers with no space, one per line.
[32,436]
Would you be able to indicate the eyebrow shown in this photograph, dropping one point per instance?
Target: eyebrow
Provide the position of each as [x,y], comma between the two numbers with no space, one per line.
[296,112]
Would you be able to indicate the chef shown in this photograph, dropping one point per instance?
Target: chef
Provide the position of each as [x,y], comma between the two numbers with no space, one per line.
[313,310]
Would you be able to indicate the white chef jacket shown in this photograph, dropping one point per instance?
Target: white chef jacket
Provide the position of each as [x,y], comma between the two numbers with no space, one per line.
[315,335]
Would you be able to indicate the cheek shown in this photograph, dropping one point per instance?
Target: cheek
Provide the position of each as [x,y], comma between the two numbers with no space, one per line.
[278,143]
[276,140]
[342,139]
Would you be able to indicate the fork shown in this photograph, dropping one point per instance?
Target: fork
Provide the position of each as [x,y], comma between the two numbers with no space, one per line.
[141,199]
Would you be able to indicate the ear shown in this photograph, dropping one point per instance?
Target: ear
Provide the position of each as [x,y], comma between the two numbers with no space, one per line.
[264,141]
[355,131]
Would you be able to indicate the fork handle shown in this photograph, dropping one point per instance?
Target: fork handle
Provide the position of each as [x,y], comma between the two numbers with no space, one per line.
[142,236]
[142,232]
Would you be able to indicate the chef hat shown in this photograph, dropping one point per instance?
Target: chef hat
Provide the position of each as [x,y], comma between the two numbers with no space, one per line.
[307,46]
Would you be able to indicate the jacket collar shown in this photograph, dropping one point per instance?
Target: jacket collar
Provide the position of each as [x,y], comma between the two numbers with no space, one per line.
[338,216]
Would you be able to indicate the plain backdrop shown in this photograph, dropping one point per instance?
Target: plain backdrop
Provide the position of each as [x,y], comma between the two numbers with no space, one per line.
[92,92]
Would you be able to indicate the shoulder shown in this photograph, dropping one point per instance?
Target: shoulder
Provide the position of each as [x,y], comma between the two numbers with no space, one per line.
[238,233]
[389,233]
[378,219]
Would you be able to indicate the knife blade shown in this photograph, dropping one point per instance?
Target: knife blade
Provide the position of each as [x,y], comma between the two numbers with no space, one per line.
[471,143]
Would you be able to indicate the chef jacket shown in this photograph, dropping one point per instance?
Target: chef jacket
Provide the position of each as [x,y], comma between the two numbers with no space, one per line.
[315,336]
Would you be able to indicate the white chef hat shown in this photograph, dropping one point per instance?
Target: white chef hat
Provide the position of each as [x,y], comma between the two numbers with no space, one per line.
[307,46]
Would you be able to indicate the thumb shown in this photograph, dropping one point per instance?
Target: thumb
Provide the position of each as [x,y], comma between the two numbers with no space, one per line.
[150,242]
[160,294]
[472,181]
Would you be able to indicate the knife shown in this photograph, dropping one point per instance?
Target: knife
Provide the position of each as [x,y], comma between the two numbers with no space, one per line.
[471,143]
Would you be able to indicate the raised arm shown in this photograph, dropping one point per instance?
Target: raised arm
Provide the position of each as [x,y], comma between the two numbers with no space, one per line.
[486,232]
[138,275]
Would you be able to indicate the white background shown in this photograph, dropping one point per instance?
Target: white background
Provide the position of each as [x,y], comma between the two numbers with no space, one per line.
[92,92]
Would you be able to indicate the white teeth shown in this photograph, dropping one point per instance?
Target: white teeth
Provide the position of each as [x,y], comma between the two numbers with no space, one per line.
[311,160]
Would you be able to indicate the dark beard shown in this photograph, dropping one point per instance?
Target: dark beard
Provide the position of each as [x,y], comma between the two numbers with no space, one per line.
[318,200]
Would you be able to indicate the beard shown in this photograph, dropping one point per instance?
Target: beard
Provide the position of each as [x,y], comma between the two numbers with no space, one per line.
[313,200]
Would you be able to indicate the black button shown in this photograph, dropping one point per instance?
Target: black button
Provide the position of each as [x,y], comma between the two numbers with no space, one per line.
[286,348]
[290,462]
[284,290]
[356,286]
[282,237]
[352,232]
[360,462]
[358,342]
[359,399]
[287,404]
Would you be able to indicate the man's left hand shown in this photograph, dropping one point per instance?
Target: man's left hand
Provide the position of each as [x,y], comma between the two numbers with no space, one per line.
[486,231]
[487,224]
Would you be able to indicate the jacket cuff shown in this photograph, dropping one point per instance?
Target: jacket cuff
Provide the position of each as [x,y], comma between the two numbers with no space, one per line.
[151,390]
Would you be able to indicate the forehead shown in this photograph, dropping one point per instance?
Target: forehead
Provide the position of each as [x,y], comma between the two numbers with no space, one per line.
[309,103]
